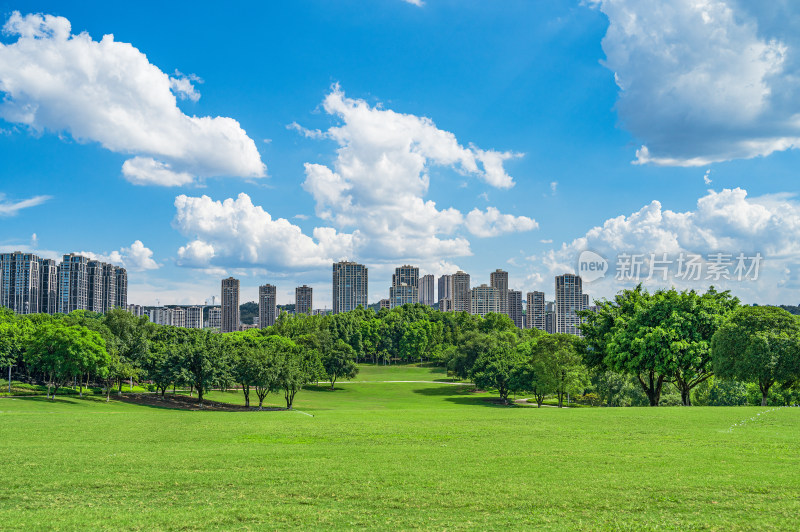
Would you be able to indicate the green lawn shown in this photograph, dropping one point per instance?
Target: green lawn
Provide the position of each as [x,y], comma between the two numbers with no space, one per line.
[398,456]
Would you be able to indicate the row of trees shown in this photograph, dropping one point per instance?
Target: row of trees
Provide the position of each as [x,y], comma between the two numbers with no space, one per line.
[638,348]
[684,338]
[85,348]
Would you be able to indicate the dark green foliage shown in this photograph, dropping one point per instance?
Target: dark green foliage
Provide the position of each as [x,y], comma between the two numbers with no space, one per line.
[761,345]
[247,312]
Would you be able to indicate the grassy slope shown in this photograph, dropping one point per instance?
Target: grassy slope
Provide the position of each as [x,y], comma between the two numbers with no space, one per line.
[395,456]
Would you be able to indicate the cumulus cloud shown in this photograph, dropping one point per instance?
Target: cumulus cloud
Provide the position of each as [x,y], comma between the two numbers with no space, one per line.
[108,92]
[379,180]
[492,223]
[727,222]
[702,81]
[136,257]
[11,208]
[237,232]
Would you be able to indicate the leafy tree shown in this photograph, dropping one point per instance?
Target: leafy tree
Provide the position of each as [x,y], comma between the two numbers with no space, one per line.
[761,345]
[496,367]
[63,352]
[202,360]
[339,362]
[298,366]
[570,374]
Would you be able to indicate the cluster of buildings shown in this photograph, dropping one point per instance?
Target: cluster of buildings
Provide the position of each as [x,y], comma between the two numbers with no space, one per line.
[30,284]
[455,293]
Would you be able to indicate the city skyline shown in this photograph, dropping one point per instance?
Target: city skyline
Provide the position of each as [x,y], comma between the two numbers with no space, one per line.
[490,153]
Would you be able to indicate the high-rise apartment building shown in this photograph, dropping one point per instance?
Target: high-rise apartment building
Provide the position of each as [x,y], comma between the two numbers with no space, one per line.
[569,301]
[110,288]
[405,286]
[499,279]
[94,281]
[20,282]
[461,292]
[350,282]
[534,311]
[121,296]
[267,305]
[550,317]
[48,286]
[179,317]
[194,317]
[215,318]
[445,293]
[384,303]
[426,290]
[303,300]
[229,321]
[484,299]
[73,283]
[136,310]
[515,307]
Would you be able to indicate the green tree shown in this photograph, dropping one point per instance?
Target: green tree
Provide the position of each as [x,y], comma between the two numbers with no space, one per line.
[298,366]
[339,362]
[63,352]
[758,344]
[496,367]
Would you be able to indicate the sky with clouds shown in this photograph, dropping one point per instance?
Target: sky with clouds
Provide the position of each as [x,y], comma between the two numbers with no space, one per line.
[267,140]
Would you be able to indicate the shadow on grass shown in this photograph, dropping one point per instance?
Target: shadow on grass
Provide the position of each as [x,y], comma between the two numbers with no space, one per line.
[462,395]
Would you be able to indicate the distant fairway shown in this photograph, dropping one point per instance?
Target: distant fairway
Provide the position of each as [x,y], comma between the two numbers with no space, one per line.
[396,455]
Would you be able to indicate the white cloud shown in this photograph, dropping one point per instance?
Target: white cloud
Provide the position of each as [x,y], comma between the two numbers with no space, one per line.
[703,81]
[108,92]
[12,208]
[380,178]
[726,221]
[135,258]
[706,179]
[553,187]
[235,232]
[492,223]
[418,3]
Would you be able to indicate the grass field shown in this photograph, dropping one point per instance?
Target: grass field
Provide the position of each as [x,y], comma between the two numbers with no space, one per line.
[396,455]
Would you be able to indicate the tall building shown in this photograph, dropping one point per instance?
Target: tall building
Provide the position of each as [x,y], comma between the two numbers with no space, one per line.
[515,307]
[445,293]
[303,300]
[229,321]
[550,317]
[405,286]
[20,282]
[194,317]
[73,283]
[110,288]
[215,318]
[484,299]
[267,305]
[136,310]
[95,286]
[48,286]
[179,317]
[461,292]
[585,301]
[384,303]
[499,279]
[426,290]
[350,281]
[534,312]
[162,316]
[121,295]
[569,300]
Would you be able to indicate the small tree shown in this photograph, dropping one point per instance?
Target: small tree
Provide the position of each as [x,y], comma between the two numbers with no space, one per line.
[339,362]
[63,352]
[758,344]
[496,367]
[298,366]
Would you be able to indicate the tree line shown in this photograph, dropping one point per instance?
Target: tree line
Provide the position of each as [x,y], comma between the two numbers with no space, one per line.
[666,347]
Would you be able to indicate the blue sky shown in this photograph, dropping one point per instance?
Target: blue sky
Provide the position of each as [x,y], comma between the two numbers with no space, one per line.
[265,140]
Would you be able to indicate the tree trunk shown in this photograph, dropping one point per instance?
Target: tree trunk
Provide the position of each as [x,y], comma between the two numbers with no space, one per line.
[200,395]
[686,396]
[764,392]
[652,388]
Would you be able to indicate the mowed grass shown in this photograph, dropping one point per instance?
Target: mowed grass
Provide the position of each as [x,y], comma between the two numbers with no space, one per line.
[396,456]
